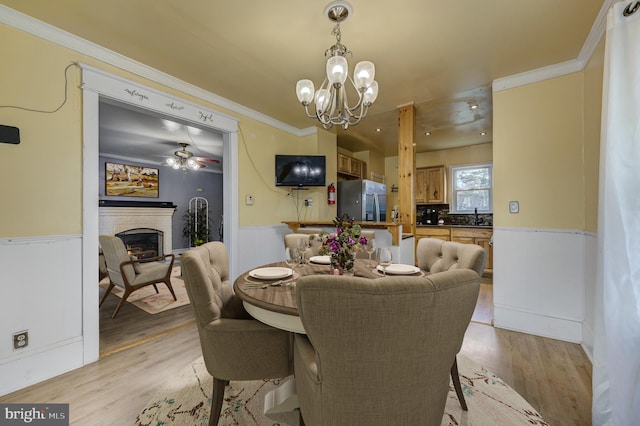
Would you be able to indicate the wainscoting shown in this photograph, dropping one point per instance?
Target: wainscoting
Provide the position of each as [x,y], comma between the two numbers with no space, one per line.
[540,281]
[41,293]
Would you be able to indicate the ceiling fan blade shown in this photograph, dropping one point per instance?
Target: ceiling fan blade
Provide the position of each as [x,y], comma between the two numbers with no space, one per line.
[207,160]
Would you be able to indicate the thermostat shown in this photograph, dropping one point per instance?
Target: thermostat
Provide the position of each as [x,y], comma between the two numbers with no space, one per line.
[514,207]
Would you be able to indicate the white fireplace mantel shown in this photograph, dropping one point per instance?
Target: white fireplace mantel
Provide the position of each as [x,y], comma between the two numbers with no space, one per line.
[113,220]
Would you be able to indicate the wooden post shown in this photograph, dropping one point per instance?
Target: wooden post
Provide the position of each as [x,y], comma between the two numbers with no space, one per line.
[406,167]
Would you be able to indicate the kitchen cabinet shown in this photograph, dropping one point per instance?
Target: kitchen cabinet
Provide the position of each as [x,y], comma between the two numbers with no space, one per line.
[430,185]
[421,186]
[349,166]
[477,236]
[439,232]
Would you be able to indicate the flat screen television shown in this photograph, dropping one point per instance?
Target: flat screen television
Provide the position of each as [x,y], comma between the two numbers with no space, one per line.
[300,170]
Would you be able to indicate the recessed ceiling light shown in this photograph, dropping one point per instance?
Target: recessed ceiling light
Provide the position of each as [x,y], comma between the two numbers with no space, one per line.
[171,125]
[483,133]
[474,106]
[378,129]
[427,133]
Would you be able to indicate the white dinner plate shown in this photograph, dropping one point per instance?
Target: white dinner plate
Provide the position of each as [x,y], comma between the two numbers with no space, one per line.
[273,273]
[400,269]
[322,260]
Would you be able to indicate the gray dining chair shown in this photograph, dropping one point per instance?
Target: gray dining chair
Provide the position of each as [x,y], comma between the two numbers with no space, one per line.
[293,240]
[234,345]
[379,352]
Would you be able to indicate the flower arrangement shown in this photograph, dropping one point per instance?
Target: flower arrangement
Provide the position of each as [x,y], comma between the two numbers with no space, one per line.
[342,244]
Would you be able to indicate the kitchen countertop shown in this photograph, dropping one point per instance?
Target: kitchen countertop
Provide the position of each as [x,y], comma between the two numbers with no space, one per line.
[392,227]
[456,226]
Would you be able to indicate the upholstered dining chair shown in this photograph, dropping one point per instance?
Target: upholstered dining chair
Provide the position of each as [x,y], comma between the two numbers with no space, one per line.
[293,240]
[379,352]
[434,255]
[234,345]
[130,273]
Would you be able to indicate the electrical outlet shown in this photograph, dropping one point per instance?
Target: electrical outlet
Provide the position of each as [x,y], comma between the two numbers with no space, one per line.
[21,339]
[308,202]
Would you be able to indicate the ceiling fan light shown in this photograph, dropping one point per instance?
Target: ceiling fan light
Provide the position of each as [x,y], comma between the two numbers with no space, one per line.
[337,70]
[371,93]
[171,161]
[364,74]
[191,163]
[176,166]
[305,91]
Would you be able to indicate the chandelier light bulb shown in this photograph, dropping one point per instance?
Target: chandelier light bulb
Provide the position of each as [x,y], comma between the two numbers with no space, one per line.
[305,91]
[364,74]
[322,100]
[171,161]
[337,70]
[371,93]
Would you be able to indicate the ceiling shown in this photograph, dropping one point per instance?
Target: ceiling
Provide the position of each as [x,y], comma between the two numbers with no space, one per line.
[442,56]
[128,132]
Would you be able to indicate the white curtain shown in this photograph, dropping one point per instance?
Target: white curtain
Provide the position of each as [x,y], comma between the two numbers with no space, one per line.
[616,367]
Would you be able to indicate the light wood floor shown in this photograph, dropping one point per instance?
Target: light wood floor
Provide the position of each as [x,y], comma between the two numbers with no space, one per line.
[554,376]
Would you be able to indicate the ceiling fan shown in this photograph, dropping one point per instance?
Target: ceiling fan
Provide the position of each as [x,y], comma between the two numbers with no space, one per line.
[185,160]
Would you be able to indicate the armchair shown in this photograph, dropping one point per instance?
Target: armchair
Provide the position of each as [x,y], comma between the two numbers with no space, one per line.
[379,352]
[234,345]
[130,273]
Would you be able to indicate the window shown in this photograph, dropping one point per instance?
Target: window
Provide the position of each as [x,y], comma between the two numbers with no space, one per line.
[471,188]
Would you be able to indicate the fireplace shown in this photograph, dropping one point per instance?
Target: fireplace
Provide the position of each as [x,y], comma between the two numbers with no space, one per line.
[123,217]
[143,242]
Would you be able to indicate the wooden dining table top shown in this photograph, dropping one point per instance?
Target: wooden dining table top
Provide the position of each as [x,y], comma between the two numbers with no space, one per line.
[282,298]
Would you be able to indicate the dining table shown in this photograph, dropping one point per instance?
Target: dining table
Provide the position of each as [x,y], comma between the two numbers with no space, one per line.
[273,301]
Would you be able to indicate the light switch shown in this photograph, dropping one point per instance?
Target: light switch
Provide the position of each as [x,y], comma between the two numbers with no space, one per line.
[514,207]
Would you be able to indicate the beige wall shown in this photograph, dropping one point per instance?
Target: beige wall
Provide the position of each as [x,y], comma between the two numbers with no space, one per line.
[482,153]
[538,154]
[259,145]
[42,176]
[593,75]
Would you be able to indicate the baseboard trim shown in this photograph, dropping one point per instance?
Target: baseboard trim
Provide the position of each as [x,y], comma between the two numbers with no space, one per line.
[41,365]
[527,322]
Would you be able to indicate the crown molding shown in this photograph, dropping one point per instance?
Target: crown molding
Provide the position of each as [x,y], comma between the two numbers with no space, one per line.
[62,38]
[557,70]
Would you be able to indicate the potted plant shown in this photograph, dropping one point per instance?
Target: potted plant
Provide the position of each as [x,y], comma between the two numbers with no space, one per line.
[196,225]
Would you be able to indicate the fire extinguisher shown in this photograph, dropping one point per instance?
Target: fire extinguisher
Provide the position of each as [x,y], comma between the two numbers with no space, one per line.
[331,194]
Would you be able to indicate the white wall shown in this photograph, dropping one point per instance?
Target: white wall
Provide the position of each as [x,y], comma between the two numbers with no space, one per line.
[41,279]
[539,281]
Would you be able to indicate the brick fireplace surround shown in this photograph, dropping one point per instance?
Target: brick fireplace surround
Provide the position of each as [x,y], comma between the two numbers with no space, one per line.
[115,217]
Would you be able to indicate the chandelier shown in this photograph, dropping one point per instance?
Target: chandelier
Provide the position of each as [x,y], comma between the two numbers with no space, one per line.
[182,159]
[331,100]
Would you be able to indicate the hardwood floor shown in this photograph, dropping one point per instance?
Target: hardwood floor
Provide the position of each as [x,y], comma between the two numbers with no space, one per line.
[554,376]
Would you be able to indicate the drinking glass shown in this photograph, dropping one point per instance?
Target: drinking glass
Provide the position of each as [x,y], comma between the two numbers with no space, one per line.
[304,246]
[370,248]
[292,257]
[385,259]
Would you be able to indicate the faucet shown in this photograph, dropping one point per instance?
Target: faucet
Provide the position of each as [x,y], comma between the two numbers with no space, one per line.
[477,220]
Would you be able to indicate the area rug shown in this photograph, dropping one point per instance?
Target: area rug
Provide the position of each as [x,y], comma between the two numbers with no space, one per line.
[151,302]
[186,400]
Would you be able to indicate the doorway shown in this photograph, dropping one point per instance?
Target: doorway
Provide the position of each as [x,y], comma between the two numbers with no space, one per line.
[99,86]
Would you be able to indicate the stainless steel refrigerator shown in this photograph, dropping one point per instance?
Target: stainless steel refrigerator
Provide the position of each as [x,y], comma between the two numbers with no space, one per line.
[363,200]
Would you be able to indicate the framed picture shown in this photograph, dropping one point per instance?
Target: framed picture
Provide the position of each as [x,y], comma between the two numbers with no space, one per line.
[131,181]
